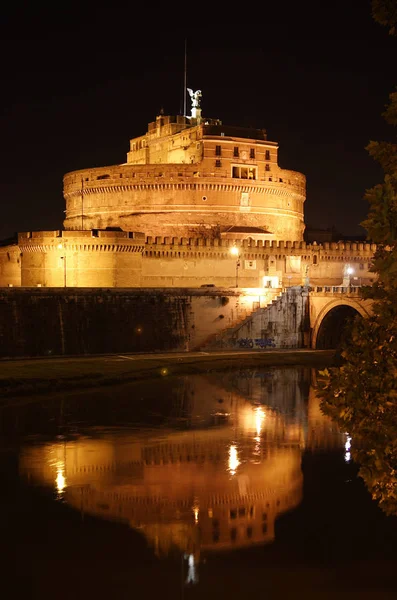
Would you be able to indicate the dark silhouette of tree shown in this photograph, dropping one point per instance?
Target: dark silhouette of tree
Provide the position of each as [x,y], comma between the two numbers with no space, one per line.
[361,394]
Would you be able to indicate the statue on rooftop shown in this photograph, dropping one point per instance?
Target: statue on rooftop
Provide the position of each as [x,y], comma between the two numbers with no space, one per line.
[195,96]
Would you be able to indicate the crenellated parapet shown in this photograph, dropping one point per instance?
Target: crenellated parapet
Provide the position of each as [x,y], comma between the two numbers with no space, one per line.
[344,251]
[81,241]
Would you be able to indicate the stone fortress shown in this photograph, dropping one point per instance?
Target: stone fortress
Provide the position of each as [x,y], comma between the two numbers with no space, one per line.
[197,241]
[197,203]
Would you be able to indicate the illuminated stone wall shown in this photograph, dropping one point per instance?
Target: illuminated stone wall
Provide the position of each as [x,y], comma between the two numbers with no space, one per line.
[184,180]
[43,321]
[81,259]
[10,266]
[125,259]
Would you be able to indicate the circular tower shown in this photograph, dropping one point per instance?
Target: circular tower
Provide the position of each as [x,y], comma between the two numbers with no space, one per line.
[191,177]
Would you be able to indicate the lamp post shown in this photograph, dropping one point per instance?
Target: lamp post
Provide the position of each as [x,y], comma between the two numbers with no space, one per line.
[63,259]
[235,252]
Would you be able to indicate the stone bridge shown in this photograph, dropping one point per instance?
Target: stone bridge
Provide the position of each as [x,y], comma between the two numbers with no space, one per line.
[329,310]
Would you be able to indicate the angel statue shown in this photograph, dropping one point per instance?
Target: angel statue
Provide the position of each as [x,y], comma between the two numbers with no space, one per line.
[195,96]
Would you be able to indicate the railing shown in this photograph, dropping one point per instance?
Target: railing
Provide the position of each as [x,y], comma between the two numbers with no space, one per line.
[336,289]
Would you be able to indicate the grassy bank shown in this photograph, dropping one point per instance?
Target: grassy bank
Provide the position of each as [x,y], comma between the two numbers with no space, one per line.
[41,375]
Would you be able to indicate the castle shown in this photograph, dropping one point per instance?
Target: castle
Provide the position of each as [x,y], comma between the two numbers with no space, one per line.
[197,203]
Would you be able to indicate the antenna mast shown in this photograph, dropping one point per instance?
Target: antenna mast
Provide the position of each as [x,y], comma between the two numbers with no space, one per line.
[185,81]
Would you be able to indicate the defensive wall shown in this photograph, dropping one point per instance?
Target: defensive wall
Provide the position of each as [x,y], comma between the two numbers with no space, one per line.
[51,321]
[55,321]
[102,258]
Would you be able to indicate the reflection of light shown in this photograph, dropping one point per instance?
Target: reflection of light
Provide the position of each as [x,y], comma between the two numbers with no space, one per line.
[196,511]
[233,459]
[191,572]
[60,480]
[259,416]
[347,448]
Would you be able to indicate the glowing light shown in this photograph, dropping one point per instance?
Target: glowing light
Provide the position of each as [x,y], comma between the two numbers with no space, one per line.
[191,573]
[349,270]
[347,448]
[164,371]
[233,459]
[60,246]
[60,480]
[259,418]
[234,250]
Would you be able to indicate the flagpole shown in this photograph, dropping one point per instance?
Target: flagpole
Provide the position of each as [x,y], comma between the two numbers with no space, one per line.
[185,81]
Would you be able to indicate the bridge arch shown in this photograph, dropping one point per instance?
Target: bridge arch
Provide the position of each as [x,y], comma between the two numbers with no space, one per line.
[331,321]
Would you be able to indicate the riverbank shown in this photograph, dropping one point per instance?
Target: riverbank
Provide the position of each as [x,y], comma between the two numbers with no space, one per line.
[29,377]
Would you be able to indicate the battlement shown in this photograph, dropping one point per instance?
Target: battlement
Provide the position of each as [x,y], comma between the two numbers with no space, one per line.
[277,246]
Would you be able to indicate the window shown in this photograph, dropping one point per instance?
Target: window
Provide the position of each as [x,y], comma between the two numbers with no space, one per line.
[235,151]
[218,150]
[252,152]
[267,155]
[218,163]
[249,532]
[233,534]
[315,259]
[244,172]
[267,168]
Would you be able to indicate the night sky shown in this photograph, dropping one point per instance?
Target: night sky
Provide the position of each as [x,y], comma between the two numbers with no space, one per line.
[80,81]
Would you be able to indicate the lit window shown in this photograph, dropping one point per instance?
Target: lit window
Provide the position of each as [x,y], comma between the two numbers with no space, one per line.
[244,172]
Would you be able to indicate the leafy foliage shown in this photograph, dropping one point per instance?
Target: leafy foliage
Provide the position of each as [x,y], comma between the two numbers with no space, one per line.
[361,394]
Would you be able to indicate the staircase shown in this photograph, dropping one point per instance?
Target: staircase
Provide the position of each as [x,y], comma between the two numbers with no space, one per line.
[227,338]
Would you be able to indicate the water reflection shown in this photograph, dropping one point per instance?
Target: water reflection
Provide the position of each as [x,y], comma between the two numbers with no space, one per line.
[217,481]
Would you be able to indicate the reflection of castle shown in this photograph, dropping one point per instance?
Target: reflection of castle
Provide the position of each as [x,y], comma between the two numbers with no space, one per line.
[201,490]
[196,490]
[190,189]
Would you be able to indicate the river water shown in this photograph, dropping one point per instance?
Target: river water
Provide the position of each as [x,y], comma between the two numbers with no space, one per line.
[201,486]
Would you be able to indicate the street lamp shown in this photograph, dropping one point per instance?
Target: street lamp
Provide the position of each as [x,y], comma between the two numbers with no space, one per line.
[236,252]
[63,258]
[350,272]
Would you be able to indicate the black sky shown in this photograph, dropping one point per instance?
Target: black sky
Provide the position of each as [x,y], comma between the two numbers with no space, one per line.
[80,80]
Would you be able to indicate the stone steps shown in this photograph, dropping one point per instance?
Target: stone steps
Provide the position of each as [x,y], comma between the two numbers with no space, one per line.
[226,339]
